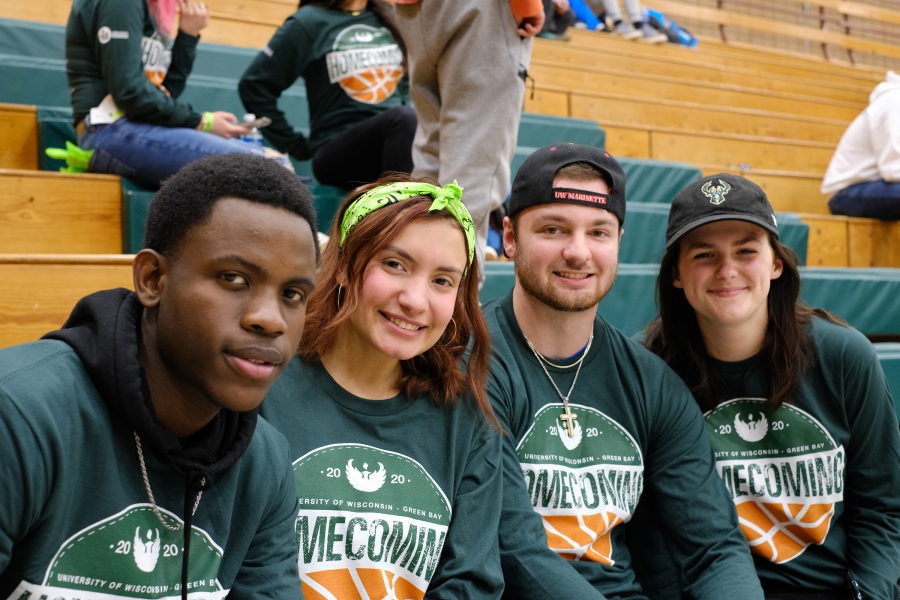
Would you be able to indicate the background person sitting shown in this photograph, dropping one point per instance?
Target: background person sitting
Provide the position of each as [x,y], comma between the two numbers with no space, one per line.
[635,28]
[125,74]
[352,58]
[558,16]
[865,168]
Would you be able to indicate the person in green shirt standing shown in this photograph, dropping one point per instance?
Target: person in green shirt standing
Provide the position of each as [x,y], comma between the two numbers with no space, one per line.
[396,451]
[598,426]
[352,58]
[797,408]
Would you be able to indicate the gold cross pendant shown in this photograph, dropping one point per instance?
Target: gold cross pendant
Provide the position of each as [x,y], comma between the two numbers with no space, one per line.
[567,418]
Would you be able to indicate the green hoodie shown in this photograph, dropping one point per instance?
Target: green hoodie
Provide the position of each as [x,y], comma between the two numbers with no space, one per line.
[75,518]
[114,47]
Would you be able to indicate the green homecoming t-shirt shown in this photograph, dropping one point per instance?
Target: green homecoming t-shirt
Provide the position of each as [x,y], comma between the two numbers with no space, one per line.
[638,439]
[816,482]
[397,496]
[351,65]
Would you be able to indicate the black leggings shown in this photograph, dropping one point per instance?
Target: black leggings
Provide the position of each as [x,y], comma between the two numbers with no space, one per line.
[363,152]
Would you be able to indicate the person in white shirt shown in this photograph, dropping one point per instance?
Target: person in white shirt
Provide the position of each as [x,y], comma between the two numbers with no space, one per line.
[864,173]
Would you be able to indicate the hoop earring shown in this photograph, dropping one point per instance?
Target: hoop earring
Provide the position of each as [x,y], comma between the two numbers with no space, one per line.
[340,290]
[452,337]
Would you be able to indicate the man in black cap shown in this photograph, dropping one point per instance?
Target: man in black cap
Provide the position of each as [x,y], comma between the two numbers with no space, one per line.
[593,418]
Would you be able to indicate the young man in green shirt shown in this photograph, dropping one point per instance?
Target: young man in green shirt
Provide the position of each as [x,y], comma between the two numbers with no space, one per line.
[134,465]
[597,425]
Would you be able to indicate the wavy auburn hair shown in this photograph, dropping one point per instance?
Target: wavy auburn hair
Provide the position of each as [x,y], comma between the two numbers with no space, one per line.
[437,371]
[787,349]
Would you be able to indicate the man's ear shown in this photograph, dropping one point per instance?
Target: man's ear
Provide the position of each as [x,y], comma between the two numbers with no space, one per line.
[150,274]
[509,238]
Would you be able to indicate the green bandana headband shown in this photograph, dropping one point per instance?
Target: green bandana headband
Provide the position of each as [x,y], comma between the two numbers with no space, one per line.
[448,197]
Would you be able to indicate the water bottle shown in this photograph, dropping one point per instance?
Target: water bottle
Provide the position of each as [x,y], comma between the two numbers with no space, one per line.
[252,137]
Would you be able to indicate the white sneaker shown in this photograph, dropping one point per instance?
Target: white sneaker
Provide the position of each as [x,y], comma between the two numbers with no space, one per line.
[626,30]
[650,35]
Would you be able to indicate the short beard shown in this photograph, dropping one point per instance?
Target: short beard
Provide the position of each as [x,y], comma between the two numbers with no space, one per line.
[548,296]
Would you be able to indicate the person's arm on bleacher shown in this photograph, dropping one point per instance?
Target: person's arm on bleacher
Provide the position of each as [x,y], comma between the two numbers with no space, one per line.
[118,49]
[194,17]
[275,69]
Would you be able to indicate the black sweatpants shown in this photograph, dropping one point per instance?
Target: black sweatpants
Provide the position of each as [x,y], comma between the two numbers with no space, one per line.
[363,152]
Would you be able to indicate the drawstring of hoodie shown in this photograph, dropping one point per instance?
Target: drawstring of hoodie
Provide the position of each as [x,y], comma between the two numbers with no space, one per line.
[196,482]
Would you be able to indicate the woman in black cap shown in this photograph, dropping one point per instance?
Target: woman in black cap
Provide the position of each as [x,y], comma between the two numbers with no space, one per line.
[796,405]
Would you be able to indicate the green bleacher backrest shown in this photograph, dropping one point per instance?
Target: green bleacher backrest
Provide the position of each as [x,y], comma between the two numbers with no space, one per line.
[54,130]
[863,297]
[136,201]
[645,180]
[538,131]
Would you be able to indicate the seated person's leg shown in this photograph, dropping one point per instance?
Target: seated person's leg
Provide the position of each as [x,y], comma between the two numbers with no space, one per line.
[877,199]
[363,152]
[151,153]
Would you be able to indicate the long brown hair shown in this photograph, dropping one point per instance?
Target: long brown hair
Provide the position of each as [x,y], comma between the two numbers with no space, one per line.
[437,371]
[787,349]
[382,11]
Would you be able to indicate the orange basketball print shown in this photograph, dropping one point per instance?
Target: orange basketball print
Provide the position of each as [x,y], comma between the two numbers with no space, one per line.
[582,537]
[357,584]
[366,62]
[779,532]
[374,86]
[784,472]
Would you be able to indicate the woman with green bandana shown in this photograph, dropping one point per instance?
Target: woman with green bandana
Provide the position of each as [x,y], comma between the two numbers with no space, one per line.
[797,408]
[396,450]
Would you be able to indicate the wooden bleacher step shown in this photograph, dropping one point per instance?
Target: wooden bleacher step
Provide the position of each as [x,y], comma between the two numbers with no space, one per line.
[18,137]
[41,290]
[59,213]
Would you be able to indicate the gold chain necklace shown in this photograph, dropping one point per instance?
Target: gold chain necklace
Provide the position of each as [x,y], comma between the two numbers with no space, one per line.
[544,358]
[159,516]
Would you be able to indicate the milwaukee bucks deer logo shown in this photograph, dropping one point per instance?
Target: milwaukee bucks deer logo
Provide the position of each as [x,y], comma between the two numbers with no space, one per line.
[716,194]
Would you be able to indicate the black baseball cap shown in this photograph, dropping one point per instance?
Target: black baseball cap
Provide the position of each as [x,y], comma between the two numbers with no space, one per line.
[721,197]
[533,184]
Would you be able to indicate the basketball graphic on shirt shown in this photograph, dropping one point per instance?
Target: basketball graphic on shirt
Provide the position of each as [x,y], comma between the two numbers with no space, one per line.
[366,62]
[371,524]
[130,554]
[585,485]
[784,472]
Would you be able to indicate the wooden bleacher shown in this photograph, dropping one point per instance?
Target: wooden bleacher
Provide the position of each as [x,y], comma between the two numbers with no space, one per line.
[773,116]
[41,289]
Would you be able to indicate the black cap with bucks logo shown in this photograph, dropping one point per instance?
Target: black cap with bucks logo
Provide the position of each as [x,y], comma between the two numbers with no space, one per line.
[721,197]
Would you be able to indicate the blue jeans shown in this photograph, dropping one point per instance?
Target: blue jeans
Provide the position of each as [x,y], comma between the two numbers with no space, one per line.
[877,199]
[151,153]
